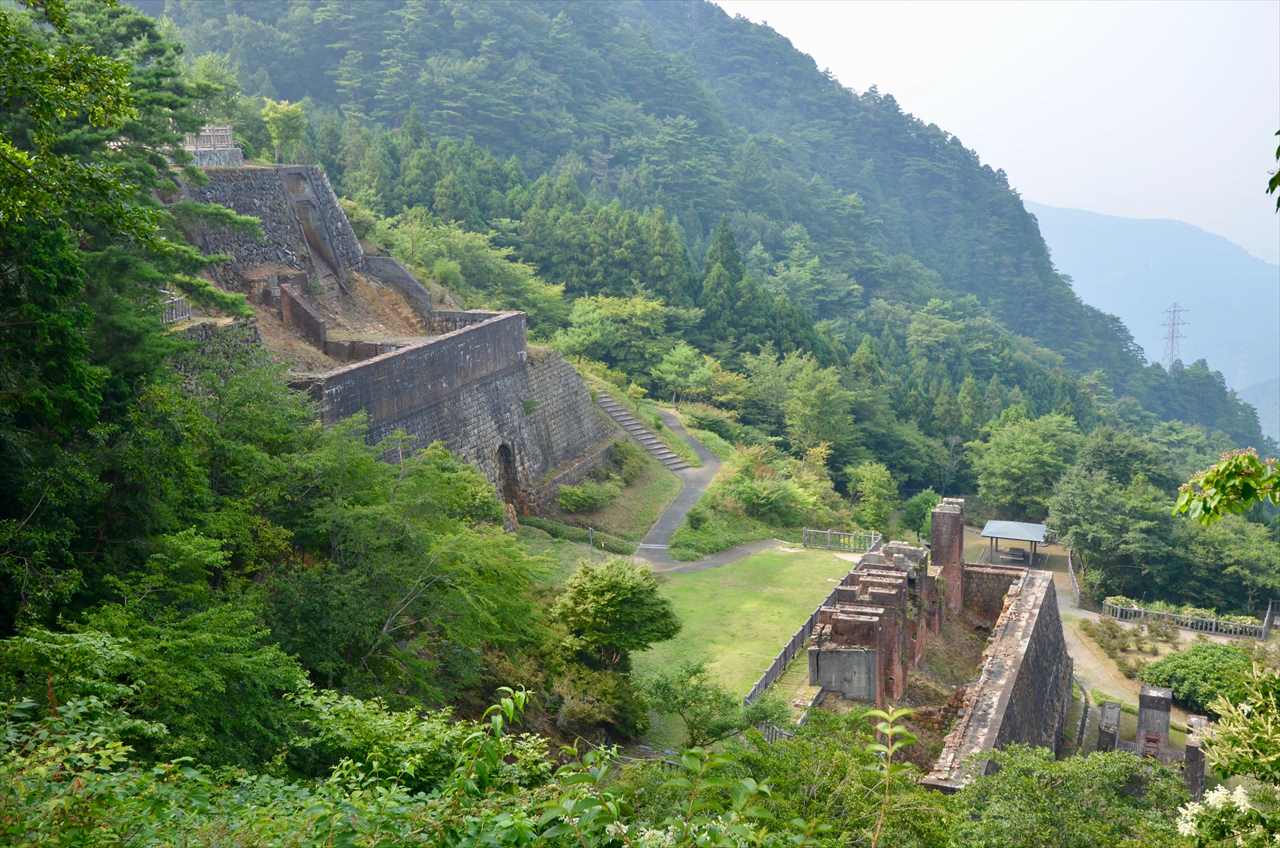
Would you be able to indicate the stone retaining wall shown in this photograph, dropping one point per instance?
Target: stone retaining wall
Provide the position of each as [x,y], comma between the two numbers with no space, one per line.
[303,226]
[985,588]
[391,273]
[476,390]
[298,315]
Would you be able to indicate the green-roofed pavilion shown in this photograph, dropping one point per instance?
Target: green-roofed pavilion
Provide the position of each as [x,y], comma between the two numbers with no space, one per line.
[1018,531]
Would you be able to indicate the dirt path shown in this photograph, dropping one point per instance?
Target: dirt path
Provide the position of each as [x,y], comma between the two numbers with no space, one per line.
[653,547]
[1093,667]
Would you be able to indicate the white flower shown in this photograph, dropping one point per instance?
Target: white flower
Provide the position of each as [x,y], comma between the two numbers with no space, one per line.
[1217,796]
[1240,798]
[1187,818]
[616,829]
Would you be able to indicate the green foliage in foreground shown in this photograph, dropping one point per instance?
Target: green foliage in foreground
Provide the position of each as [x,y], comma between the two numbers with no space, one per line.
[1033,801]
[389,778]
[1201,674]
[1231,487]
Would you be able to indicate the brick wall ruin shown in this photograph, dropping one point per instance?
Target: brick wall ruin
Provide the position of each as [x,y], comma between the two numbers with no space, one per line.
[875,627]
[1023,691]
[303,226]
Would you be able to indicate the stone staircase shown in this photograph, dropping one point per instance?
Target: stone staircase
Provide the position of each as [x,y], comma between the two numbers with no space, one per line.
[642,434]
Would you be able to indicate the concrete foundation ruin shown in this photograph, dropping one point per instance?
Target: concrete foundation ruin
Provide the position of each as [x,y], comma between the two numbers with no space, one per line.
[879,620]
[1155,703]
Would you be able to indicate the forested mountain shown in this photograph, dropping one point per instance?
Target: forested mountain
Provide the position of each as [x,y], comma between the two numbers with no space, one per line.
[1265,397]
[1136,268]
[527,120]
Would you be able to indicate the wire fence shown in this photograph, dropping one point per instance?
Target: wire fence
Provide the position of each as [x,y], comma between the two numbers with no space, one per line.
[1222,627]
[1075,584]
[858,541]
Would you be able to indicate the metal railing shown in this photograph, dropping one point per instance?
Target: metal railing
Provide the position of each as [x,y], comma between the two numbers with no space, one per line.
[858,542]
[176,309]
[1075,584]
[1190,622]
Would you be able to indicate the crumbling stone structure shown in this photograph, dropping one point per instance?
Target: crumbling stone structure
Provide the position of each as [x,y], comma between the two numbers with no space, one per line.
[527,421]
[877,623]
[1023,691]
[1155,703]
[866,640]
[304,229]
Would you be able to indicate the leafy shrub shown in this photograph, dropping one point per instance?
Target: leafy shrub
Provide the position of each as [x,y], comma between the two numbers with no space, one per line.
[588,496]
[758,494]
[627,460]
[414,749]
[697,517]
[769,499]
[1201,673]
[704,417]
[583,699]
[708,711]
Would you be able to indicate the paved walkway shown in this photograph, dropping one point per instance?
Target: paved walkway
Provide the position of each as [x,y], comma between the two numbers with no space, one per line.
[653,547]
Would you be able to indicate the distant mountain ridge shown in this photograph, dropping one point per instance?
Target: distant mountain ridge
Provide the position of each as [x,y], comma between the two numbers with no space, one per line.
[1135,268]
[1265,397]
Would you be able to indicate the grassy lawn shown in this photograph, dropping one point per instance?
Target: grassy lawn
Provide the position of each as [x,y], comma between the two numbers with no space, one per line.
[633,512]
[737,617]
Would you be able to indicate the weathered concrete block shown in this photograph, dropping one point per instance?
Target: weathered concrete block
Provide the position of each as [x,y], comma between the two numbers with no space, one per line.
[1193,764]
[1109,726]
[1154,705]
[851,671]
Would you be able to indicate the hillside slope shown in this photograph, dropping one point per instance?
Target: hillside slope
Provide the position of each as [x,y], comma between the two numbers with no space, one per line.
[677,104]
[604,145]
[1136,268]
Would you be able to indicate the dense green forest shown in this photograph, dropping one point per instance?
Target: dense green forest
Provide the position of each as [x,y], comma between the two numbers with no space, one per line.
[663,195]
[221,623]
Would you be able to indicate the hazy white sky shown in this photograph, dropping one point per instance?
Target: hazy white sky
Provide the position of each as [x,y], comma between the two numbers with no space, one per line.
[1143,109]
